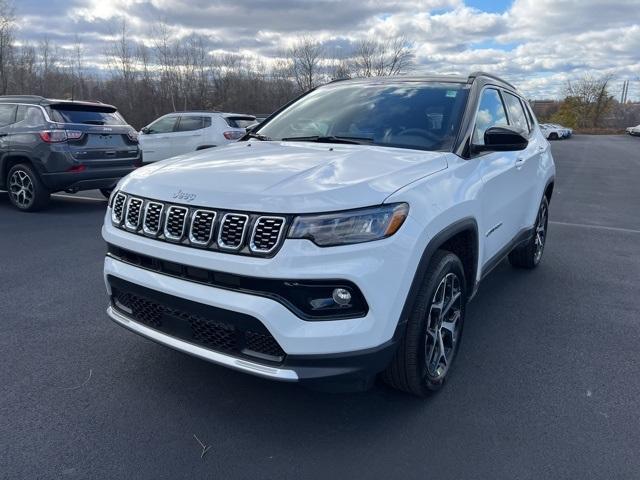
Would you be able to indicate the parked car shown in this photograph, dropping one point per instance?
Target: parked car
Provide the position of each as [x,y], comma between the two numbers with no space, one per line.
[343,238]
[553,132]
[566,132]
[49,145]
[184,132]
[634,130]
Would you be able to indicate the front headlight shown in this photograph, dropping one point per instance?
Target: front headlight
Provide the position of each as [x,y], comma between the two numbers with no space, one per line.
[352,226]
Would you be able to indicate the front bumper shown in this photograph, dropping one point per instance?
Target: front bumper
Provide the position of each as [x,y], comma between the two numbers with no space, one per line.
[351,349]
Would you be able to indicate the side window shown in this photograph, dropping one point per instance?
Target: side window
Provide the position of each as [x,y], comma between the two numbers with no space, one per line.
[164,125]
[517,118]
[491,113]
[28,117]
[7,115]
[206,122]
[189,123]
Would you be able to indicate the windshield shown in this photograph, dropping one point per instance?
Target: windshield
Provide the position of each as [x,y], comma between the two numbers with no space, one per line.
[424,116]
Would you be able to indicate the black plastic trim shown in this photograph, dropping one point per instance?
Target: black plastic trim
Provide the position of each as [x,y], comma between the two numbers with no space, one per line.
[431,248]
[288,293]
[521,237]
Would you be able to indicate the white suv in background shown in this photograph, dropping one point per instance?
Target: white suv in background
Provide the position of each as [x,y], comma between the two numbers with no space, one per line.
[342,238]
[184,132]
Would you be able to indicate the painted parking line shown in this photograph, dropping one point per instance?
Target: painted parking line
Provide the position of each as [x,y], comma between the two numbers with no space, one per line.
[596,227]
[79,197]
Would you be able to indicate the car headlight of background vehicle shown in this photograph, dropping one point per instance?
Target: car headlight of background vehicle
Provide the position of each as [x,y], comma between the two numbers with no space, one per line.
[351,226]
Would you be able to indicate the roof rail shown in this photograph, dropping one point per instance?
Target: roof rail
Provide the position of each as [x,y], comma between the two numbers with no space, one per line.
[474,75]
[22,97]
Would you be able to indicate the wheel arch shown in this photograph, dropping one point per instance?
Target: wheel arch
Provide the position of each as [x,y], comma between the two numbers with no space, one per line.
[457,237]
[548,189]
[8,161]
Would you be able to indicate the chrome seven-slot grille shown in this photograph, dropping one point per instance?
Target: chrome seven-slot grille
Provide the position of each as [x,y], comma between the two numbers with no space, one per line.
[231,232]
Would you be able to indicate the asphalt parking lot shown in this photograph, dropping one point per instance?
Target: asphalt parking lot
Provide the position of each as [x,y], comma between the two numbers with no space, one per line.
[547,383]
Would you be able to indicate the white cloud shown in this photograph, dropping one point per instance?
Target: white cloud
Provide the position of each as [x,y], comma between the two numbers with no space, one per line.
[537,44]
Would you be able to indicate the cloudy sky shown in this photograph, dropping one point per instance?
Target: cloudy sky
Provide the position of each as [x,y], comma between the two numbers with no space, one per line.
[538,44]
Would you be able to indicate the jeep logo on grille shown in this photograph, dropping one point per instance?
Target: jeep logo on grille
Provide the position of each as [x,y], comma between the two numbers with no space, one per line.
[187,197]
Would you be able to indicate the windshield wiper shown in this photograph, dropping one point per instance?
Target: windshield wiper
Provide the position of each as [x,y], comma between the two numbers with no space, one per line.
[330,139]
[257,136]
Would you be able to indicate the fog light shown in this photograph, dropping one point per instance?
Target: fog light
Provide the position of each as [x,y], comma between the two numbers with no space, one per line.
[341,296]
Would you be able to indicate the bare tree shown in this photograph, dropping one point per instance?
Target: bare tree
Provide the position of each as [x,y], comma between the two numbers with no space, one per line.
[306,58]
[586,102]
[7,19]
[374,58]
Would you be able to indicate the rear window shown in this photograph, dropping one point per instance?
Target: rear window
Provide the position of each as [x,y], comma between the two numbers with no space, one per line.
[86,115]
[240,122]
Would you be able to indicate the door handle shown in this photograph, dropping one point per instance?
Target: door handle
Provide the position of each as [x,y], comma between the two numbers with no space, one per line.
[541,148]
[3,134]
[520,162]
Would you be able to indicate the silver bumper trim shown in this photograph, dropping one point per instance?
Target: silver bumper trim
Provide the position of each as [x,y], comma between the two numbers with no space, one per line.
[215,357]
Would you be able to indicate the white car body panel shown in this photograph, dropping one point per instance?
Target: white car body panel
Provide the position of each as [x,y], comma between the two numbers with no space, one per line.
[286,177]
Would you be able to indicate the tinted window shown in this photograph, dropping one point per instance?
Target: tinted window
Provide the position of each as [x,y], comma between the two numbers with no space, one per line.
[490,114]
[517,117]
[164,125]
[423,116]
[86,114]
[28,117]
[189,123]
[240,122]
[7,115]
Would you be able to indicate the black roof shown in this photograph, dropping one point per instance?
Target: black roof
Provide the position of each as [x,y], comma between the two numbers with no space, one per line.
[471,78]
[38,100]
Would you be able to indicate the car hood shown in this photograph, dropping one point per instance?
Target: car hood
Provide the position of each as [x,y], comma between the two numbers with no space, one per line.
[284,177]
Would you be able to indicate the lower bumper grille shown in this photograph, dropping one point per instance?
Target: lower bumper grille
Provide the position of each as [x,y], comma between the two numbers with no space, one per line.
[203,325]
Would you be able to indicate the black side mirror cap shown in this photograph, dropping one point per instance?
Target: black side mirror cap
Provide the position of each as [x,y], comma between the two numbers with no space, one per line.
[502,139]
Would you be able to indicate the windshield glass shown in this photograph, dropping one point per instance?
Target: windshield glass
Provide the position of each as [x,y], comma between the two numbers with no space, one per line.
[86,115]
[424,116]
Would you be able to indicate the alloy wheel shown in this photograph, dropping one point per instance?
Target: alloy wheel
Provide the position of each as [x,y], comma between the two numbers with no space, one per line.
[443,327]
[21,188]
[541,233]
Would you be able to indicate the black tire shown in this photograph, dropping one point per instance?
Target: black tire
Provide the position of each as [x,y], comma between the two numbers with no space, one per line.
[553,136]
[530,254]
[408,370]
[106,192]
[26,190]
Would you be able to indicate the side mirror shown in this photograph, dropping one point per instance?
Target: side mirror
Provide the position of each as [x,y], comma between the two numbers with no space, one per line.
[252,127]
[503,139]
[144,130]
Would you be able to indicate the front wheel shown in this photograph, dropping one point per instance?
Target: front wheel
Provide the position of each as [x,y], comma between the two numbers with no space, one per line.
[432,336]
[530,254]
[26,190]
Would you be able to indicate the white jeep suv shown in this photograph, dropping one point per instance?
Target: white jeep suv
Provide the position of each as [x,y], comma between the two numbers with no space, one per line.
[341,239]
[184,132]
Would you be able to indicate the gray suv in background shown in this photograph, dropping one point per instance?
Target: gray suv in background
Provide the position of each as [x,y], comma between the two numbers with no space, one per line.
[52,145]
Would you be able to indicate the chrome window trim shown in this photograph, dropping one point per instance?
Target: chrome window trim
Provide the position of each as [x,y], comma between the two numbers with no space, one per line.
[144,219]
[167,235]
[221,244]
[252,246]
[192,239]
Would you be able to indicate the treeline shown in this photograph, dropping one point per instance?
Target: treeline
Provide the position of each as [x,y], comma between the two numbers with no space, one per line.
[145,81]
[589,107]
